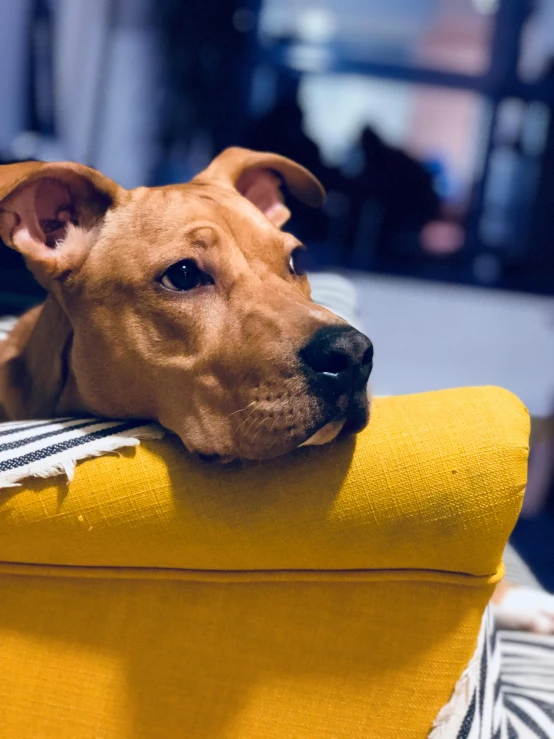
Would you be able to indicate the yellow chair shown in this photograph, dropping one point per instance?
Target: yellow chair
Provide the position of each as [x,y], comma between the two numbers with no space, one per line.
[336,592]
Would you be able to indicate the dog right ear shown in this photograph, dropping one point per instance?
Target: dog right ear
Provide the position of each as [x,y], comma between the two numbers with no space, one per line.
[47,211]
[251,174]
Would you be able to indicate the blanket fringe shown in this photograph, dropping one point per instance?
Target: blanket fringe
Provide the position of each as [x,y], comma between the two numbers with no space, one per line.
[64,463]
[449,719]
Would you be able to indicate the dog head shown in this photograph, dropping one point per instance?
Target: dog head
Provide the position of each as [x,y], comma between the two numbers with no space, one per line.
[185,306]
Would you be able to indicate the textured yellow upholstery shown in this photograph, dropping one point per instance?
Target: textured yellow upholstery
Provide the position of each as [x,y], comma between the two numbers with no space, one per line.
[336,592]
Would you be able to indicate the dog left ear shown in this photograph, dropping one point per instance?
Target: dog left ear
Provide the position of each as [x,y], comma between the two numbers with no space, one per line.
[41,202]
[252,174]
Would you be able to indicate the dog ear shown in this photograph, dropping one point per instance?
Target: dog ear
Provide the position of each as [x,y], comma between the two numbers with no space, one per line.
[251,173]
[43,204]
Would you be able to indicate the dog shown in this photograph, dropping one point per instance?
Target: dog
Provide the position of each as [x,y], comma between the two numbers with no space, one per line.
[180,304]
[184,304]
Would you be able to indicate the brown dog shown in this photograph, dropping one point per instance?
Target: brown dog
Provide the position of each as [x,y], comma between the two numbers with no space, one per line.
[179,304]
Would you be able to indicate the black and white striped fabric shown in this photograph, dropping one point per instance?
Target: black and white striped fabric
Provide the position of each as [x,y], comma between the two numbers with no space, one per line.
[507,690]
[526,685]
[49,448]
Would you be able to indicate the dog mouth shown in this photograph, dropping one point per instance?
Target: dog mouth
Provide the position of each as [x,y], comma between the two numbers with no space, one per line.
[329,421]
[352,421]
[325,434]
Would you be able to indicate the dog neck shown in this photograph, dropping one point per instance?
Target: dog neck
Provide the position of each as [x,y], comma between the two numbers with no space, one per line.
[35,378]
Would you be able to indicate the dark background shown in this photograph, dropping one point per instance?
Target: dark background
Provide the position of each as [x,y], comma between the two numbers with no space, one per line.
[429,122]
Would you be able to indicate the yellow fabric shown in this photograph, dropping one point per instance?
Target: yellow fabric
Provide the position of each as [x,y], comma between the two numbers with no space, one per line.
[336,593]
[108,659]
[423,479]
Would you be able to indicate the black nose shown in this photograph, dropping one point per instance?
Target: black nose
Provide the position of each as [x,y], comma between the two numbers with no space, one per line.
[340,360]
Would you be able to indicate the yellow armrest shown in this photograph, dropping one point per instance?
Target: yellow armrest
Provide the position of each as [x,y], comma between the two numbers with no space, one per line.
[434,483]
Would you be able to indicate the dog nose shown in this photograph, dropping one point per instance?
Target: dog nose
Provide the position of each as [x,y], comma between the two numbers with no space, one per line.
[340,358]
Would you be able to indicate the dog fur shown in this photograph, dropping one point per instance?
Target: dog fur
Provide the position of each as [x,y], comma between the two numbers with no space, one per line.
[218,364]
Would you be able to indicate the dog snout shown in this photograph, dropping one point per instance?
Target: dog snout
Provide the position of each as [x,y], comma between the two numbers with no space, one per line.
[340,359]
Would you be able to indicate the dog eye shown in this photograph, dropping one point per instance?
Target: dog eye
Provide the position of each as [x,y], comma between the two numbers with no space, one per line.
[295,262]
[184,276]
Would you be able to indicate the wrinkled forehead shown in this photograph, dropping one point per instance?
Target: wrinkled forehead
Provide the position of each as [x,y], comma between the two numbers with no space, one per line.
[175,217]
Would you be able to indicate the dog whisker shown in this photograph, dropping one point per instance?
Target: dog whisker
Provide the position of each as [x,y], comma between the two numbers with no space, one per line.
[248,417]
[240,410]
[273,424]
[261,420]
[259,429]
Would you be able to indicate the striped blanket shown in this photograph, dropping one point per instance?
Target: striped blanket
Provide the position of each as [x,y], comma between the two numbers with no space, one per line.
[49,448]
[507,690]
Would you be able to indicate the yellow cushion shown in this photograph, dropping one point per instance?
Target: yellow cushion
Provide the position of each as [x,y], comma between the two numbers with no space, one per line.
[336,592]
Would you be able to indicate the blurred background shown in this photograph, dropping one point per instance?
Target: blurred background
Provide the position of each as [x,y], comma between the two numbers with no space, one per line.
[430,123]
